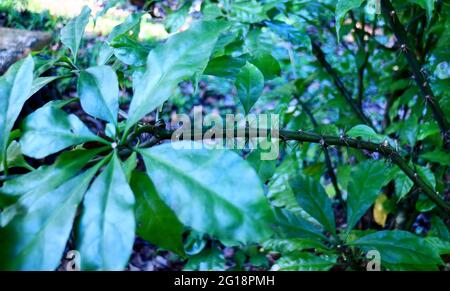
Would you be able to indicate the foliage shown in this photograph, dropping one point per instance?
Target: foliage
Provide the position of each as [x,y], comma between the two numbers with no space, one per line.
[353,126]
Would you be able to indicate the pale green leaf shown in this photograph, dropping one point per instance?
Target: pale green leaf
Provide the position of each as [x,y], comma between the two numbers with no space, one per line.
[98,89]
[15,88]
[72,33]
[49,130]
[105,234]
[182,56]
[35,240]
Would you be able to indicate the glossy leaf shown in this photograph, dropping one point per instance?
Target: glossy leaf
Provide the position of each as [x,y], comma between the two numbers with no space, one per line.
[105,234]
[400,250]
[291,245]
[98,89]
[314,200]
[72,33]
[208,260]
[267,64]
[36,239]
[156,222]
[15,88]
[129,51]
[304,262]
[250,85]
[365,184]
[226,66]
[290,225]
[182,56]
[49,130]
[205,195]
[365,132]
[46,178]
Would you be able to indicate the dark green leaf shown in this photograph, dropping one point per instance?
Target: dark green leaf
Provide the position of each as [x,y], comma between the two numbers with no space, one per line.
[314,200]
[400,250]
[156,222]
[365,184]
[226,66]
[250,85]
[267,64]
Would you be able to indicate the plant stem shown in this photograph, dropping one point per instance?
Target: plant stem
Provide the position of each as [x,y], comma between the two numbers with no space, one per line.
[320,55]
[325,140]
[328,162]
[408,50]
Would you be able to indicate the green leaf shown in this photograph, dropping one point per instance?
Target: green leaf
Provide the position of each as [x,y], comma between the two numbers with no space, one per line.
[314,200]
[15,88]
[72,33]
[156,222]
[131,24]
[182,56]
[247,11]
[208,260]
[105,234]
[280,192]
[264,168]
[130,165]
[440,246]
[291,245]
[291,34]
[45,178]
[250,85]
[41,82]
[365,184]
[437,156]
[400,250]
[36,239]
[342,8]
[365,132]
[428,5]
[267,64]
[129,51]
[289,225]
[49,130]
[439,229]
[15,158]
[226,66]
[205,195]
[403,184]
[305,262]
[98,89]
